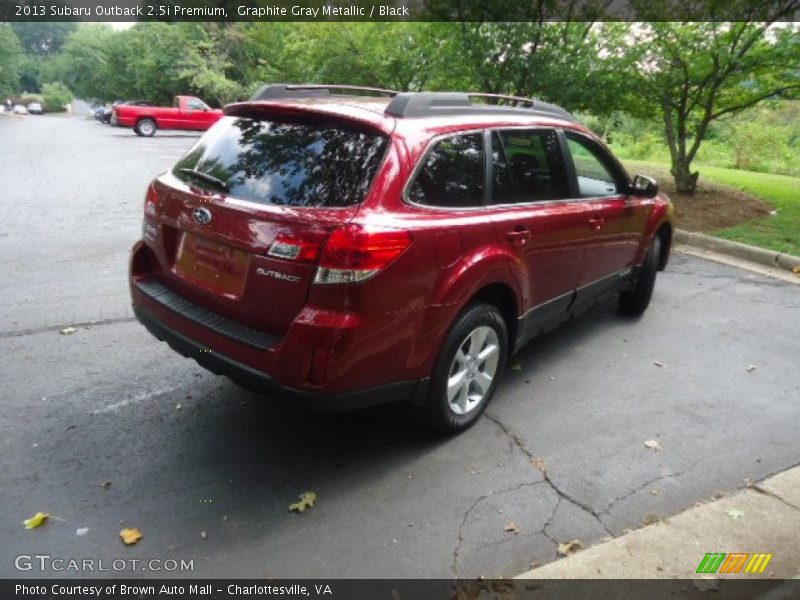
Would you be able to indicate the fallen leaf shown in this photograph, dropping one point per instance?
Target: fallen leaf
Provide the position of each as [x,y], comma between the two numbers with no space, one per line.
[68,330]
[569,547]
[734,513]
[130,535]
[751,368]
[655,492]
[511,527]
[658,363]
[35,521]
[653,445]
[539,464]
[516,367]
[651,519]
[307,500]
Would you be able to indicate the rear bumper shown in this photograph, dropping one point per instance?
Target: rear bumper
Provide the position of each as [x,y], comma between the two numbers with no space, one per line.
[259,381]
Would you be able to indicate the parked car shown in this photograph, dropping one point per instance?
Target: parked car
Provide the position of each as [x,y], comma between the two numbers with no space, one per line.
[19,109]
[35,108]
[100,113]
[351,251]
[187,112]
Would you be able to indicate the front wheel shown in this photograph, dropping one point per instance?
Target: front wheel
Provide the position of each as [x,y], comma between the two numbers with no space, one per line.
[636,300]
[146,128]
[469,366]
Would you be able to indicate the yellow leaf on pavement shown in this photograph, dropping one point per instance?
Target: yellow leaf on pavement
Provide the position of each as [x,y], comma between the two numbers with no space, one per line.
[35,521]
[569,547]
[307,500]
[130,535]
[511,527]
[653,445]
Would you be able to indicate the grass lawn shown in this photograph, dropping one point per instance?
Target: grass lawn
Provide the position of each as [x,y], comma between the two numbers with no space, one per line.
[780,232]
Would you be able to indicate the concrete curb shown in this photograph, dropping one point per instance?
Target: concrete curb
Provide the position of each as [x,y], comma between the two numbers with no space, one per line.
[762,256]
[762,518]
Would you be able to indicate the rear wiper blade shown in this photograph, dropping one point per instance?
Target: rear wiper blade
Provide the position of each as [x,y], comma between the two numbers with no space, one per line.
[216,181]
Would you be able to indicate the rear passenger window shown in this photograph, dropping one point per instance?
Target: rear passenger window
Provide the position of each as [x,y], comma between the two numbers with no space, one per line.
[527,167]
[452,175]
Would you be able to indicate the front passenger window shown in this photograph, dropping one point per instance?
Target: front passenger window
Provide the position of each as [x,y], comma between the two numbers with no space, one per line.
[594,178]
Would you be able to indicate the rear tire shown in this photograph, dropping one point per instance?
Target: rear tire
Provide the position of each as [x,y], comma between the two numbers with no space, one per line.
[146,128]
[636,300]
[467,370]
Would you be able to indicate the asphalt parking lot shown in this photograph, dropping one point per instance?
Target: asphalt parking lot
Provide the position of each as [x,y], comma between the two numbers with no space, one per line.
[108,428]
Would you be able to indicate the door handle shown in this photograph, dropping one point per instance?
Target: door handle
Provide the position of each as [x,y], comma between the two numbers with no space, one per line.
[596,222]
[519,237]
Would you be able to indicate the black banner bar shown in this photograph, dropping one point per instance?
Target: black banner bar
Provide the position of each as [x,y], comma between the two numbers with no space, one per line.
[400,589]
[399,10]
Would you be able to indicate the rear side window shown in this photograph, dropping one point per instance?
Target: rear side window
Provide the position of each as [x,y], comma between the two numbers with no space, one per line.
[452,174]
[527,166]
[287,163]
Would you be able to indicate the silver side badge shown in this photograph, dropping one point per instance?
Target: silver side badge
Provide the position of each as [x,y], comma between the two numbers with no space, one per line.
[277,275]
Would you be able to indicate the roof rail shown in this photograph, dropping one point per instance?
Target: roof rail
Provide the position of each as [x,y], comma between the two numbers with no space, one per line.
[284,91]
[419,104]
[429,104]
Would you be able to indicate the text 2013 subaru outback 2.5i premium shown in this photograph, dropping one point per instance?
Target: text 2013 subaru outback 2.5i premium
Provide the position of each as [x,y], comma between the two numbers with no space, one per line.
[350,250]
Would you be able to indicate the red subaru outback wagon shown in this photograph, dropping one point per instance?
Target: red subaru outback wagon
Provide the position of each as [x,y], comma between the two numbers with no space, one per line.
[349,247]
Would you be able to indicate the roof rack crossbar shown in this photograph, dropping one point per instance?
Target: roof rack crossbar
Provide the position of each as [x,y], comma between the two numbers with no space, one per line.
[283,91]
[429,104]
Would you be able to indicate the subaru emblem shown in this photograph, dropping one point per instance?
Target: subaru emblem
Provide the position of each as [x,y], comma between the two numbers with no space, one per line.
[201,215]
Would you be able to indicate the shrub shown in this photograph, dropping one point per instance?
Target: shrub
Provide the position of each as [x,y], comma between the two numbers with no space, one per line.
[56,96]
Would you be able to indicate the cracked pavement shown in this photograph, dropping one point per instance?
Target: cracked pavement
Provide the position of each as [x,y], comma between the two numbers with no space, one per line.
[560,452]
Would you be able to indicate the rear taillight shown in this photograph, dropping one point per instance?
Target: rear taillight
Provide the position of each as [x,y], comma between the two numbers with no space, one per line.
[300,247]
[151,201]
[354,253]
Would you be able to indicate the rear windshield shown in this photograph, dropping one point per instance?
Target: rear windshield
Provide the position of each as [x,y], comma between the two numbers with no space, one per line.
[289,163]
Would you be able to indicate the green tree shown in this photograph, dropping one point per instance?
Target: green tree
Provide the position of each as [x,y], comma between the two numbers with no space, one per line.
[41,43]
[400,56]
[43,38]
[82,64]
[10,61]
[692,74]
[211,65]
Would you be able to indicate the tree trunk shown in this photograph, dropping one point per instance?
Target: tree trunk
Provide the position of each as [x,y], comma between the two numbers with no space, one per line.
[685,180]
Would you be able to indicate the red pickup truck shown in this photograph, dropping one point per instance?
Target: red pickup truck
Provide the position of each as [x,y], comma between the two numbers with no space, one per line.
[187,112]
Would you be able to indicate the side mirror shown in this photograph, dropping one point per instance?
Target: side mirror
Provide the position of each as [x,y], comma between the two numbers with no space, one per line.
[644,186]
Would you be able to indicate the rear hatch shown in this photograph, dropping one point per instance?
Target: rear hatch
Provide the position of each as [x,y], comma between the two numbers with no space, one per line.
[244,214]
